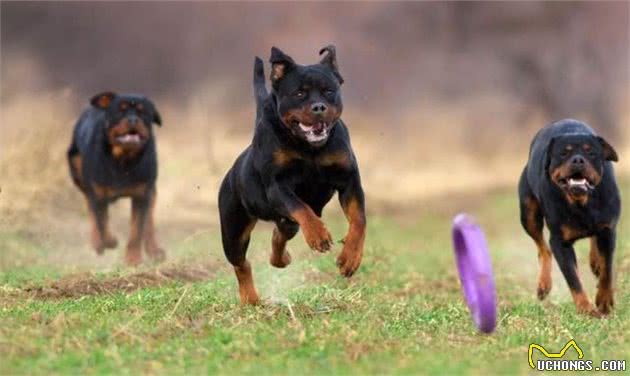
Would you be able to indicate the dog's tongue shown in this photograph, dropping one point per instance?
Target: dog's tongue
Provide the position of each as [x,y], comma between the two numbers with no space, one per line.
[318,127]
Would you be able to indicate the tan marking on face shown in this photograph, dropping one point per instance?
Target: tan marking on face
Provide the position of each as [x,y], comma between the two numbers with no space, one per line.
[277,71]
[127,151]
[304,115]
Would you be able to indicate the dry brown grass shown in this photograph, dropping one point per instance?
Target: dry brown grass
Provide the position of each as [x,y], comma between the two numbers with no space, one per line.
[78,285]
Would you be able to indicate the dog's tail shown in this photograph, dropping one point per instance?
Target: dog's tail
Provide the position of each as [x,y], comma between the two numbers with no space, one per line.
[260,91]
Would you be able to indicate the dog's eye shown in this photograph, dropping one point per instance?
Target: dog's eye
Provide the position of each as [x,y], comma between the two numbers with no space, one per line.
[329,92]
[300,94]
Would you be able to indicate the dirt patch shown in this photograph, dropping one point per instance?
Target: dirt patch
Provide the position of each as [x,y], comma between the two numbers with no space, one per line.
[77,285]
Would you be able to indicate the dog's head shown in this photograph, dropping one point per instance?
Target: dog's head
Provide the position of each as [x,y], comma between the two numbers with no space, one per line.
[575,164]
[308,97]
[128,122]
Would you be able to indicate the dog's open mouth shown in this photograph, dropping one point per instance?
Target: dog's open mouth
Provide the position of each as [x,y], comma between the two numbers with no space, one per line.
[130,138]
[314,133]
[577,184]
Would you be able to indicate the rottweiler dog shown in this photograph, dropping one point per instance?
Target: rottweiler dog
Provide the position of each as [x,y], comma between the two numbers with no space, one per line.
[113,155]
[569,182]
[299,157]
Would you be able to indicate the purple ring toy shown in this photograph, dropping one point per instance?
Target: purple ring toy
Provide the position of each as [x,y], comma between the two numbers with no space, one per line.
[475,272]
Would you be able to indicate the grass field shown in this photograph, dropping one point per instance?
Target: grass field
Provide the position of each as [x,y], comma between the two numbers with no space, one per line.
[401,314]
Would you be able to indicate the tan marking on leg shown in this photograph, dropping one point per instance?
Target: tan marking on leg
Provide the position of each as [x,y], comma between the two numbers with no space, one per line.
[133,256]
[350,257]
[246,288]
[151,246]
[583,304]
[95,235]
[604,299]
[544,276]
[596,260]
[315,233]
[280,257]
[544,253]
[77,166]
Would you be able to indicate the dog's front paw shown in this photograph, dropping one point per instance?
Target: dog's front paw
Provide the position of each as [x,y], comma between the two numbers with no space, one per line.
[156,254]
[317,236]
[544,287]
[349,260]
[133,256]
[604,301]
[280,260]
[110,241]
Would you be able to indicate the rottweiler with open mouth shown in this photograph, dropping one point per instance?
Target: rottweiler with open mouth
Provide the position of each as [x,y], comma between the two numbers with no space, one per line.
[569,183]
[113,155]
[299,157]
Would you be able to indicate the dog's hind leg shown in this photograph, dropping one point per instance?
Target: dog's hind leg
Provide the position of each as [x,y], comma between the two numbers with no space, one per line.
[532,221]
[285,230]
[236,227]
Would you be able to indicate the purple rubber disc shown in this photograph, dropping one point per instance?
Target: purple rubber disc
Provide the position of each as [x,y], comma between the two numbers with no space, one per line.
[475,272]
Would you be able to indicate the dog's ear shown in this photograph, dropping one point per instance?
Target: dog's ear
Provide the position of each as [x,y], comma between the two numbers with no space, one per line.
[330,60]
[103,100]
[157,119]
[281,64]
[547,156]
[609,152]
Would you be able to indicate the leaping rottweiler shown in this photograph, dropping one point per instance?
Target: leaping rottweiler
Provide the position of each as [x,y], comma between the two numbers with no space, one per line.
[299,157]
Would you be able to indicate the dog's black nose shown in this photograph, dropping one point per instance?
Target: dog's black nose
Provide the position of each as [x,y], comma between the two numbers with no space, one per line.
[133,120]
[318,108]
[578,160]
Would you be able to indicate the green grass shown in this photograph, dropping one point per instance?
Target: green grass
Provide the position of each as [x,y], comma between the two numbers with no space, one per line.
[401,314]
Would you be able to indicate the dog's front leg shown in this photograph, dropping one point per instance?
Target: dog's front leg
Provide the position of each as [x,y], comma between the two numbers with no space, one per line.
[286,202]
[352,201]
[139,209]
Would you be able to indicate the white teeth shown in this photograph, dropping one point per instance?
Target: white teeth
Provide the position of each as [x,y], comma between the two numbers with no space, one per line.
[312,137]
[310,134]
[577,181]
[129,138]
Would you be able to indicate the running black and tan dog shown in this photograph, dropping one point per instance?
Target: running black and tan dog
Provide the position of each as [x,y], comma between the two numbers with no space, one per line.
[569,183]
[299,157]
[113,155]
